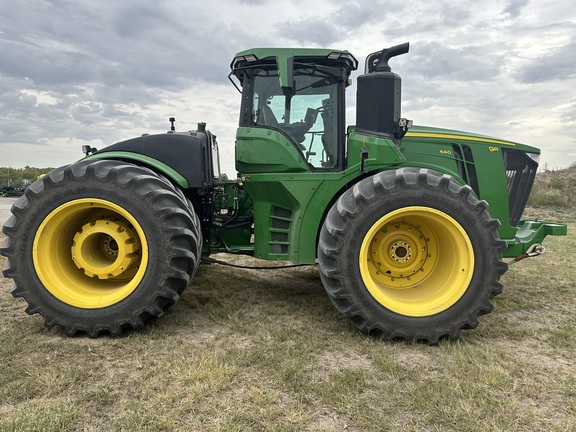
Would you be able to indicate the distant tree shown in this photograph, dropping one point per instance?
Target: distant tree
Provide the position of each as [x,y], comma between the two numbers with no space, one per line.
[21,176]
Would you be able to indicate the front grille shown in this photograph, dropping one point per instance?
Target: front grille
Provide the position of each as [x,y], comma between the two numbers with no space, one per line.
[466,168]
[520,174]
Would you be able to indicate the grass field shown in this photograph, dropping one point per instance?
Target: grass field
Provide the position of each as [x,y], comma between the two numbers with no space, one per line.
[255,350]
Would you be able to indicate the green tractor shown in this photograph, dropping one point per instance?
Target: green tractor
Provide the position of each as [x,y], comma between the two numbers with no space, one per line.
[409,226]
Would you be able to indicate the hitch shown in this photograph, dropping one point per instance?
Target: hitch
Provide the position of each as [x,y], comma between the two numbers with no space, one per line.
[533,251]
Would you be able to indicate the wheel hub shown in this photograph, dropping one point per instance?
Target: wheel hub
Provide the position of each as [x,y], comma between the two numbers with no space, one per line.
[401,251]
[105,248]
[401,254]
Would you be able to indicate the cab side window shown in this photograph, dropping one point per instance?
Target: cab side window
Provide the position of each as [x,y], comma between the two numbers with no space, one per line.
[306,114]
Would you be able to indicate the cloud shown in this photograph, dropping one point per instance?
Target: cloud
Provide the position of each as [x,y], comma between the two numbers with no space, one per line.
[123,43]
[310,30]
[354,15]
[514,8]
[557,64]
[136,21]
[331,24]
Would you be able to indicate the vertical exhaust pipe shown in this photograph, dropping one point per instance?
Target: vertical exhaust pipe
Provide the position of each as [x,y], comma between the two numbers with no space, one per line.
[379,97]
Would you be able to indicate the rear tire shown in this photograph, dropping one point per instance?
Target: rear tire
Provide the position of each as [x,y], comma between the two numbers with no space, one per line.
[101,247]
[411,255]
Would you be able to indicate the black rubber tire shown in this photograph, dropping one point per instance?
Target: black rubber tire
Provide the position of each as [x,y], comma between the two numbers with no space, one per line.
[197,223]
[171,228]
[358,209]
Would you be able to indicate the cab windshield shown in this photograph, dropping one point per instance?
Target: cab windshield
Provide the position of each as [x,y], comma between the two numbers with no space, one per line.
[306,113]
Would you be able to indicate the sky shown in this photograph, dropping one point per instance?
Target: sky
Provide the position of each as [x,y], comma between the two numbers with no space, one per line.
[97,72]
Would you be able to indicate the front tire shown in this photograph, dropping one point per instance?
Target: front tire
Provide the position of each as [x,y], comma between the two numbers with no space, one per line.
[411,255]
[101,247]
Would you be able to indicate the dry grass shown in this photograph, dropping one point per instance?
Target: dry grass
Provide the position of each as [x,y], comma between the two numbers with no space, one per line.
[555,189]
[247,350]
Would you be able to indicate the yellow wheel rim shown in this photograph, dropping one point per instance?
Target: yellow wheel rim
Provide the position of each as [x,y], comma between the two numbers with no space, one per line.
[90,253]
[416,261]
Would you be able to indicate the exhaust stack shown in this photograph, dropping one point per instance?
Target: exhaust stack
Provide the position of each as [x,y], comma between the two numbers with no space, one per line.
[379,96]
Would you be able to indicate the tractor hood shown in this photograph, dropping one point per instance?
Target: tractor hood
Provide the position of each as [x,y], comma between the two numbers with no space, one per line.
[428,133]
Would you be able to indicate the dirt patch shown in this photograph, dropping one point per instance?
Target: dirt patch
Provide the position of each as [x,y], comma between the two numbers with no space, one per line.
[333,361]
[5,206]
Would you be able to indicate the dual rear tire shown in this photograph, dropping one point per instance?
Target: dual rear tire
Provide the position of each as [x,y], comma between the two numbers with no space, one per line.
[101,247]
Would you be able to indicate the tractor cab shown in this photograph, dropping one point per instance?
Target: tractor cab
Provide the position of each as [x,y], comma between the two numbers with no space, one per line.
[292,116]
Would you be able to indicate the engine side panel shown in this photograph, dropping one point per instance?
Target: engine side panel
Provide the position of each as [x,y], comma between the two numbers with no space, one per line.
[189,154]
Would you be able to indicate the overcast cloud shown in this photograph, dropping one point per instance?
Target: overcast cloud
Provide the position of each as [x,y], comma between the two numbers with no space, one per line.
[83,72]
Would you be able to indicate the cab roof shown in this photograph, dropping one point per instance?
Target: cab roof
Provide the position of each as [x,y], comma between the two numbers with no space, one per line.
[283,57]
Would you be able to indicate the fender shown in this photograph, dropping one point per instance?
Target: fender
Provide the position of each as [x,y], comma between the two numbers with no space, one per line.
[185,157]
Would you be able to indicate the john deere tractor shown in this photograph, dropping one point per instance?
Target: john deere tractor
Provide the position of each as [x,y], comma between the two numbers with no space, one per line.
[411,227]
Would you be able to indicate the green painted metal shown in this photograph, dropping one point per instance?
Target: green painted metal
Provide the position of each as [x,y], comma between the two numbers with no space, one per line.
[429,133]
[532,232]
[141,159]
[288,210]
[260,150]
[381,152]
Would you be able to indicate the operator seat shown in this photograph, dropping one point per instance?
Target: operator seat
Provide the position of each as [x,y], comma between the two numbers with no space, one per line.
[328,137]
[267,117]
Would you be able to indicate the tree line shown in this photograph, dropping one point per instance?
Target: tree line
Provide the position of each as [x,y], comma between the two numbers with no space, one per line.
[20,177]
